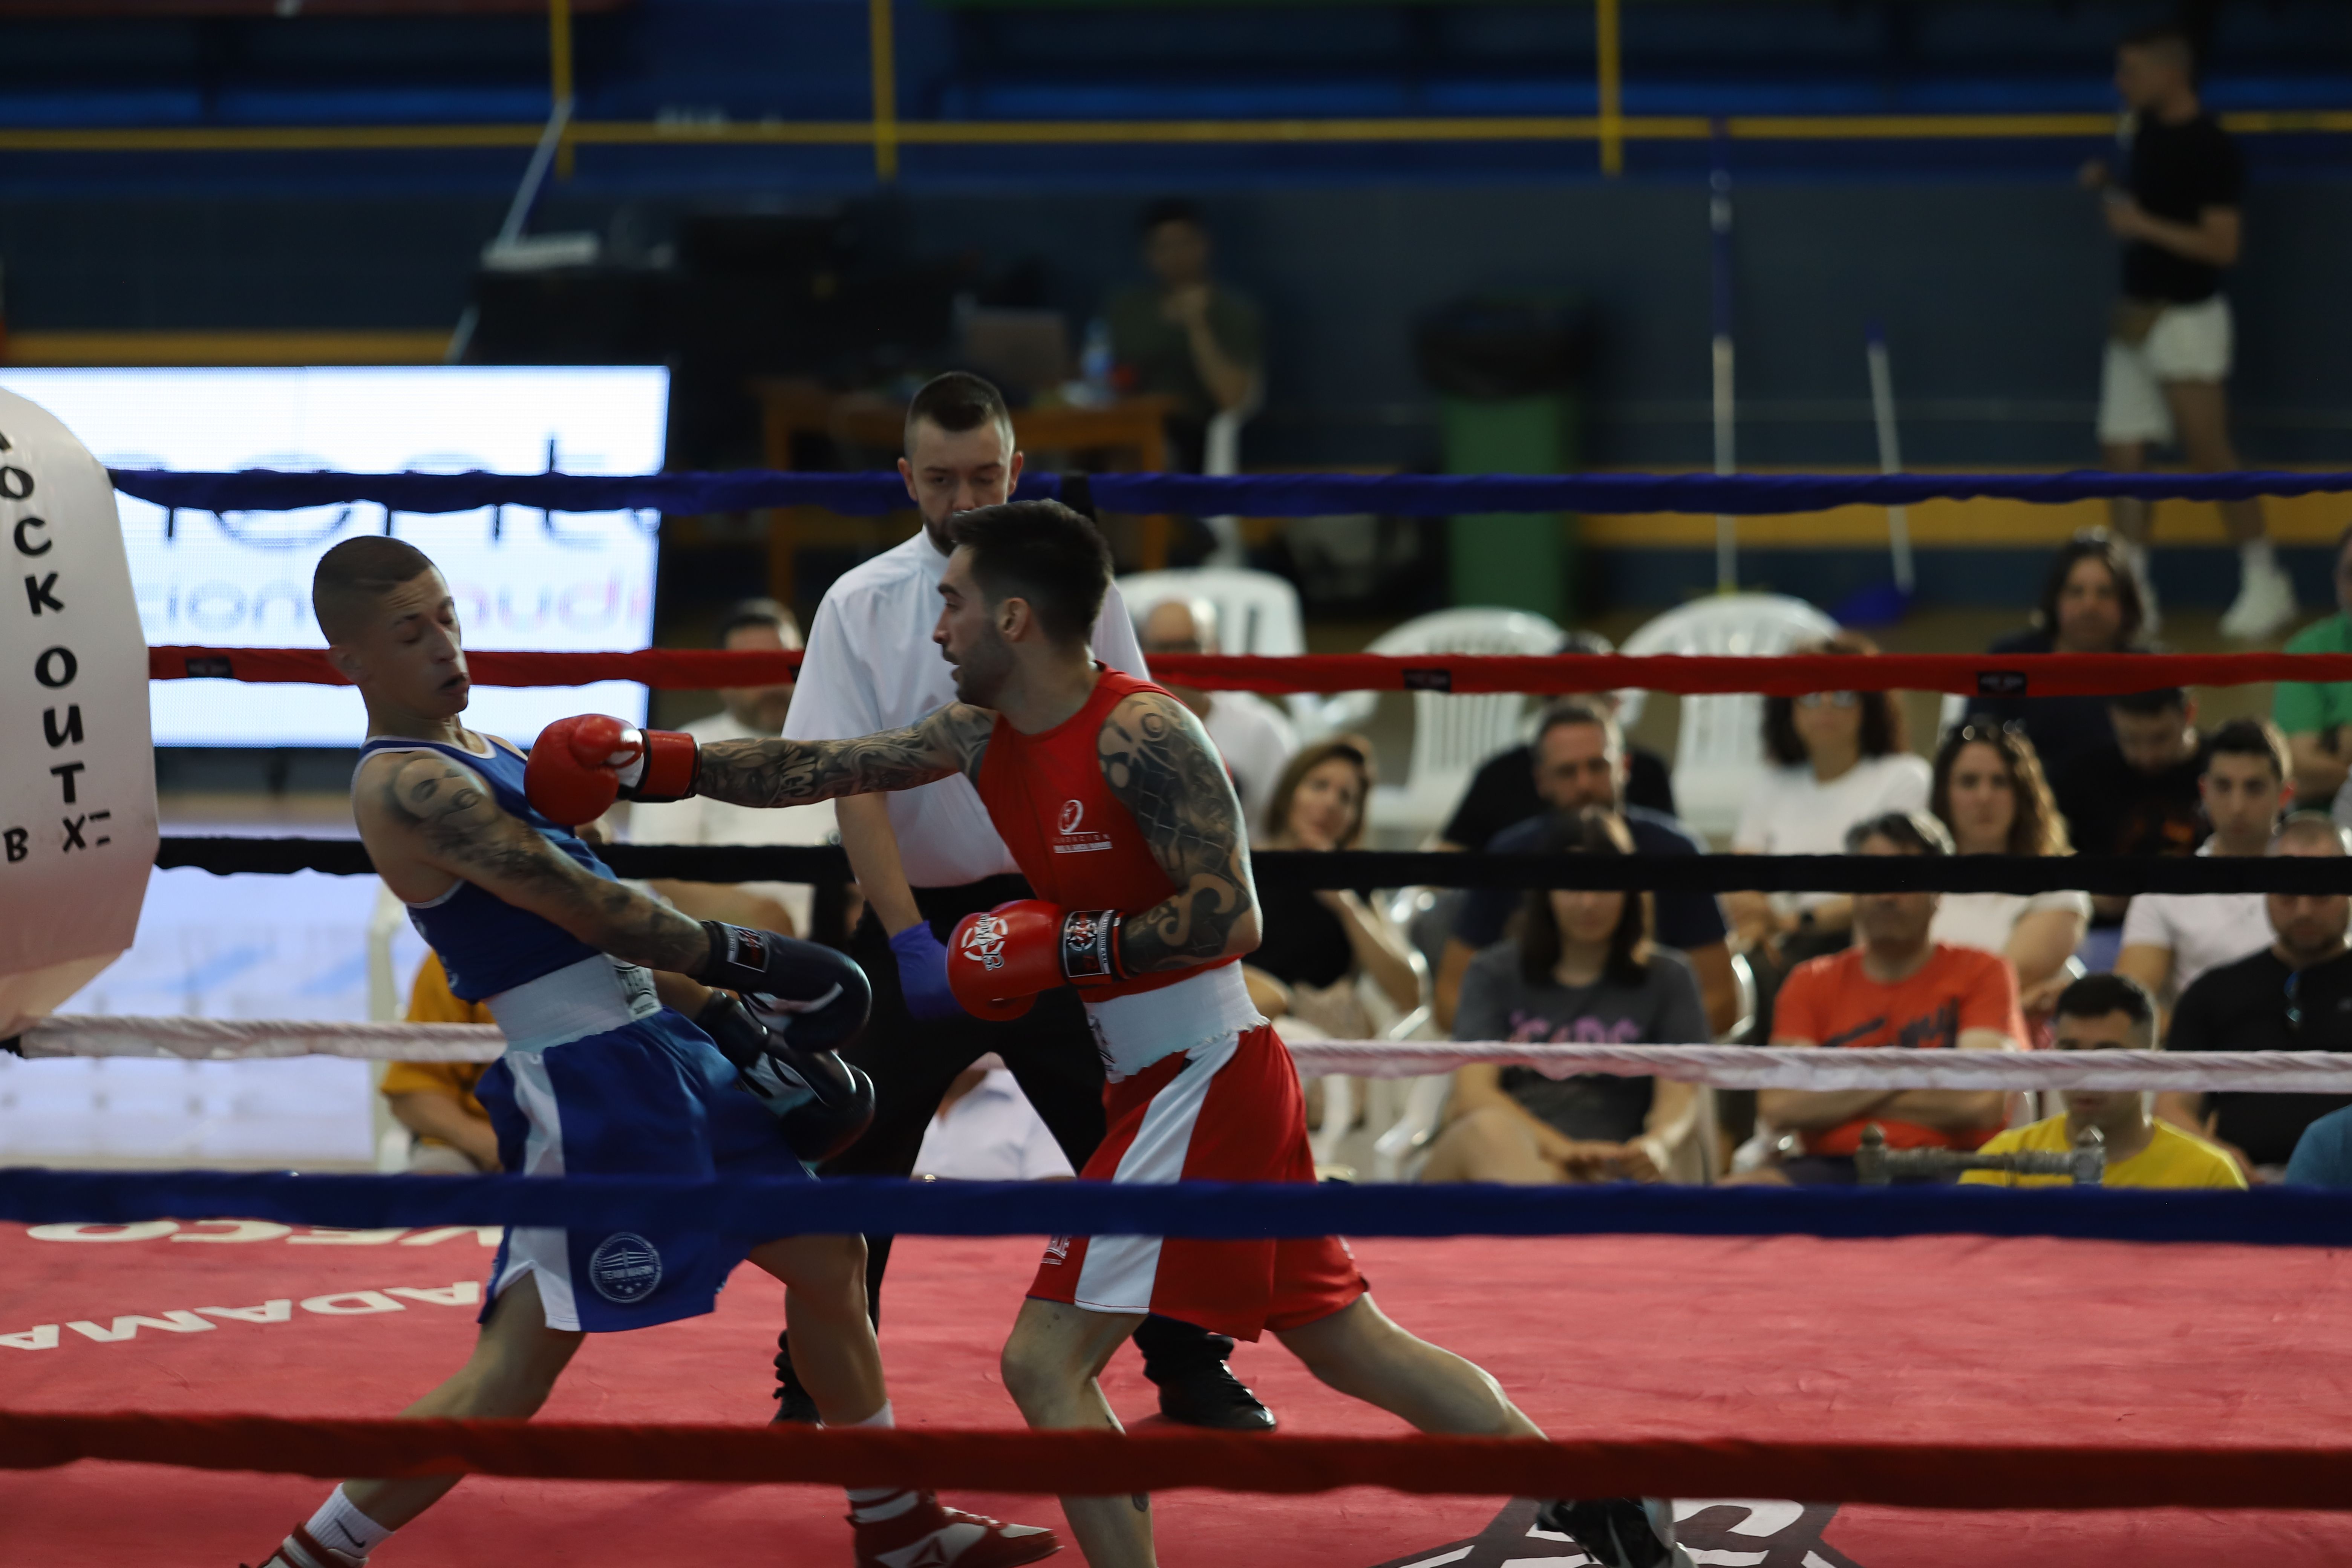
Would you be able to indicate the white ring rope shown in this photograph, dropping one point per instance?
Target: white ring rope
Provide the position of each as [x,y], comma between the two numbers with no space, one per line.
[1725,1067]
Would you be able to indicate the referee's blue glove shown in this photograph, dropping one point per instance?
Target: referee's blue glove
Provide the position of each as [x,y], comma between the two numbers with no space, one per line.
[923,973]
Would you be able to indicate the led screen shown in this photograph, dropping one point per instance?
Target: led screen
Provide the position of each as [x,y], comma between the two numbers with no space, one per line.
[522,579]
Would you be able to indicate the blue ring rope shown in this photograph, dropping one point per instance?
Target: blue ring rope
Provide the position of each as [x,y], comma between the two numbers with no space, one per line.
[1254,495]
[765,1208]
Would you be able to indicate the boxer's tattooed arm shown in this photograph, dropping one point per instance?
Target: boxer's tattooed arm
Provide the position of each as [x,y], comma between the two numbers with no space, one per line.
[451,817]
[1159,762]
[950,740]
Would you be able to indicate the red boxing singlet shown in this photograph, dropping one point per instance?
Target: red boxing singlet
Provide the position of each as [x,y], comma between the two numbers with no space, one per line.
[1075,842]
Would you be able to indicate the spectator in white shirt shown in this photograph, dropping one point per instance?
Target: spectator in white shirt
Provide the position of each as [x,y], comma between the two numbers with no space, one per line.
[1989,790]
[986,1131]
[2170,938]
[1250,734]
[1840,758]
[750,711]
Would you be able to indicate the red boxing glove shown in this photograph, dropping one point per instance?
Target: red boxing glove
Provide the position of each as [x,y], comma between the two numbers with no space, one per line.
[998,962]
[581,765]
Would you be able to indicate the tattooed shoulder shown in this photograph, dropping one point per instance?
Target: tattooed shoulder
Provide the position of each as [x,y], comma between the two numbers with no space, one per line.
[431,792]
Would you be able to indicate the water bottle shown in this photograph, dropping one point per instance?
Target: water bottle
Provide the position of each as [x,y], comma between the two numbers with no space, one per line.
[1095,363]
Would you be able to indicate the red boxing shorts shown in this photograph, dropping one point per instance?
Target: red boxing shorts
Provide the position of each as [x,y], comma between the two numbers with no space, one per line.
[1228,1112]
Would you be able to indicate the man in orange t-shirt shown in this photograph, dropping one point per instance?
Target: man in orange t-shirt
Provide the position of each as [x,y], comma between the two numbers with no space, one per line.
[1893,987]
[434,1100]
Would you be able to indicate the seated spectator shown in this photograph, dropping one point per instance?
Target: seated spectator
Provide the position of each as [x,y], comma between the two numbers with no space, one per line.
[1251,733]
[2112,1013]
[1580,762]
[2138,795]
[986,1131]
[2293,995]
[2090,603]
[1582,970]
[1989,790]
[434,1100]
[1840,759]
[1316,945]
[750,712]
[2315,713]
[2323,1155]
[1184,335]
[1503,792]
[1896,986]
[2170,938]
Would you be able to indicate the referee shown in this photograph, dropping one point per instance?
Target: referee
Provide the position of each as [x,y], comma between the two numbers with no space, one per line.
[926,857]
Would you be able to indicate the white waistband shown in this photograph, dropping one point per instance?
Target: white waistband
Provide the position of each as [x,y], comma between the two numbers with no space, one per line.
[584,998]
[1133,1031]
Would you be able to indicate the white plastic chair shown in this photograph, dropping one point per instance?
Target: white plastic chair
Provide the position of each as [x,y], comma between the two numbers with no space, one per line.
[1453,735]
[1720,747]
[1257,613]
[1221,457]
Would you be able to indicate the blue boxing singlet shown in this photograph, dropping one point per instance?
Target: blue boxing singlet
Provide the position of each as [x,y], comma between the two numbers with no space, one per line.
[487,944]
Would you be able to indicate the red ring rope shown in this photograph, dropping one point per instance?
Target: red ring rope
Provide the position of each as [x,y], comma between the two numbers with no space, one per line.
[1909,1475]
[1787,675]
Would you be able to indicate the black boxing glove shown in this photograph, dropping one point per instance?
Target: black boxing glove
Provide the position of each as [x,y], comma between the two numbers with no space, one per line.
[812,993]
[823,1102]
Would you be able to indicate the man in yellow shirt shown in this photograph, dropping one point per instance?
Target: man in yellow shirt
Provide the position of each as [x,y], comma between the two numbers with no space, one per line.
[436,1099]
[2112,1013]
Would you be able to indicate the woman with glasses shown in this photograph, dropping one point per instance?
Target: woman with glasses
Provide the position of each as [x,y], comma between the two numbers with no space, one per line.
[1989,790]
[1839,758]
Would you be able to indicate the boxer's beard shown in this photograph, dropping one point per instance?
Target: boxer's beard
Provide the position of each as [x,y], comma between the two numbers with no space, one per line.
[981,674]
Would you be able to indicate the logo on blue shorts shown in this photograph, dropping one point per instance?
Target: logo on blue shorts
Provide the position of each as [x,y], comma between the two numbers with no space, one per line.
[625,1267]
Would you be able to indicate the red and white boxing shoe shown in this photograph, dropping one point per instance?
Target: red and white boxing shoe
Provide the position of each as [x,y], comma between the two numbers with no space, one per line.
[932,1535]
[300,1550]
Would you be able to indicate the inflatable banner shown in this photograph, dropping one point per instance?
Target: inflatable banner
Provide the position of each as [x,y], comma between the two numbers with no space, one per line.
[77,766]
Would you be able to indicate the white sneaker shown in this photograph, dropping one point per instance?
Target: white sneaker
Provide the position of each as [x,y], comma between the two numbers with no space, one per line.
[2264,608]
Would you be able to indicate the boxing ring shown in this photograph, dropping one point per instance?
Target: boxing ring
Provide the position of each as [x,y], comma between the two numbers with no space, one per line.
[1898,1378]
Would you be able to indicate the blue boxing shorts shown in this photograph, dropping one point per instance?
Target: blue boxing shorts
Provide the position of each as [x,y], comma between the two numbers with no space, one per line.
[650,1097]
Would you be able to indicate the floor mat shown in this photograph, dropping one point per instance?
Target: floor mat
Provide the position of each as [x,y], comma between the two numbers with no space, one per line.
[1784,1337]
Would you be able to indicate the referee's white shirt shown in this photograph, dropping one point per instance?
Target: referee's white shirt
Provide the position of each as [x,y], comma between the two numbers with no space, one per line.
[871,665]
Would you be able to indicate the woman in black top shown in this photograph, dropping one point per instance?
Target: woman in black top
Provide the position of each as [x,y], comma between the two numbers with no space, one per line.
[1315,944]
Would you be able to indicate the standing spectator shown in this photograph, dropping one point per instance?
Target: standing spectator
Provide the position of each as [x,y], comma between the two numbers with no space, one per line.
[2171,939]
[2318,714]
[2177,210]
[2293,995]
[748,712]
[1503,791]
[2090,603]
[986,1131]
[927,858]
[2140,796]
[2112,1013]
[1250,734]
[1184,335]
[1316,945]
[1580,761]
[1989,792]
[1840,758]
[1896,986]
[434,1100]
[1581,971]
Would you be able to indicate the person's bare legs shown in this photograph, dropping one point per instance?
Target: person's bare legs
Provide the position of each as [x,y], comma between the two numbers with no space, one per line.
[1489,1146]
[2127,515]
[834,1353]
[515,1364]
[2201,418]
[1052,1365]
[1360,1352]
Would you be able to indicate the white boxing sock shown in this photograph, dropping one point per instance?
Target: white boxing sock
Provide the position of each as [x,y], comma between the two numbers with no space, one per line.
[343,1528]
[2256,559]
[869,1505]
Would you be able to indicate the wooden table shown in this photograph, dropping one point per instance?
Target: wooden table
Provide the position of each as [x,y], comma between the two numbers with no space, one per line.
[1127,436]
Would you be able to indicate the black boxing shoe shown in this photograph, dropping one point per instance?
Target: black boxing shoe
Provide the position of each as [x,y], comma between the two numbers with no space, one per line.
[1207,1393]
[793,1403]
[1618,1532]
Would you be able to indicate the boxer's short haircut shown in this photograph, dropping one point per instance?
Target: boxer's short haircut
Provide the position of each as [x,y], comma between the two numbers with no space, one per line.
[354,575]
[956,401]
[1044,554]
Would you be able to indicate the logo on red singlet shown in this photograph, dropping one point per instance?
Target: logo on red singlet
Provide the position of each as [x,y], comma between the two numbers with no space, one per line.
[983,942]
[1072,841]
[1057,1250]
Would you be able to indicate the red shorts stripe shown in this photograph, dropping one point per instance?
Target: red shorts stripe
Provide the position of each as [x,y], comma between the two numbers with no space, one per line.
[1229,1112]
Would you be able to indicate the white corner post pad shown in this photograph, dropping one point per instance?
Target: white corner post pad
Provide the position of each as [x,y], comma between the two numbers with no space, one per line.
[76,757]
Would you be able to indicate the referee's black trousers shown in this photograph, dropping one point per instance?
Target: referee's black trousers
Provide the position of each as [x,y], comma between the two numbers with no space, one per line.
[1051,1053]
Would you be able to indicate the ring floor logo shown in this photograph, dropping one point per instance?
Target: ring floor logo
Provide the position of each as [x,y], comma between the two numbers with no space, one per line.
[1713,1531]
